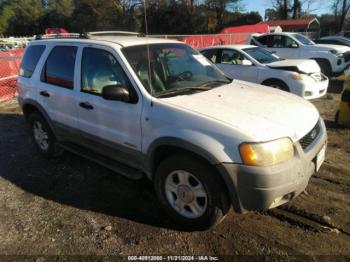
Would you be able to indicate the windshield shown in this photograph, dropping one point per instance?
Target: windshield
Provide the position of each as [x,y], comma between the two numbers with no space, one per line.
[261,55]
[303,39]
[174,69]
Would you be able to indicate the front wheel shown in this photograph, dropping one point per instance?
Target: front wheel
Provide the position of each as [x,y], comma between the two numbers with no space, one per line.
[276,84]
[191,192]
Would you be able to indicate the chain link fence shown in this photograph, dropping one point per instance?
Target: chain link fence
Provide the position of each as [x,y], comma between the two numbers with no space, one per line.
[9,67]
[200,41]
[11,52]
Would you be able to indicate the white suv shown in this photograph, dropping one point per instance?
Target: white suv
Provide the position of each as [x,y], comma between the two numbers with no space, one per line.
[333,59]
[153,107]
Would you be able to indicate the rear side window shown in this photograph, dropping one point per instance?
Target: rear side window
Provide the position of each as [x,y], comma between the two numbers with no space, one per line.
[30,60]
[59,67]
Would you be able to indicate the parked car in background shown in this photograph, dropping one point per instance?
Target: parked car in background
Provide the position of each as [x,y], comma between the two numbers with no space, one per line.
[156,107]
[333,40]
[302,77]
[345,34]
[332,59]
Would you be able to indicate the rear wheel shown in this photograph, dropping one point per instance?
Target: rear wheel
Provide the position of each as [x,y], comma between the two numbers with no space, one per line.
[190,192]
[278,84]
[43,137]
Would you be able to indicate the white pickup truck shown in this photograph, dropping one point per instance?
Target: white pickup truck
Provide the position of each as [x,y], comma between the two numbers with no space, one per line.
[332,59]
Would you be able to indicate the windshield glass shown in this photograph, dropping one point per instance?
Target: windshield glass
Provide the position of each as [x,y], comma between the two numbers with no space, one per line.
[303,39]
[174,69]
[261,55]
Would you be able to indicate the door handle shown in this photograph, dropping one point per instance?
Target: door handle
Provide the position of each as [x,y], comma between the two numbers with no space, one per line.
[44,93]
[86,105]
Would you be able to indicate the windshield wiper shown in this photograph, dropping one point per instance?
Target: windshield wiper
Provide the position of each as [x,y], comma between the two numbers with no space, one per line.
[174,91]
[211,82]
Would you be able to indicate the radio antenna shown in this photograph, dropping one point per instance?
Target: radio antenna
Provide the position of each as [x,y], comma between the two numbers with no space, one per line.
[148,51]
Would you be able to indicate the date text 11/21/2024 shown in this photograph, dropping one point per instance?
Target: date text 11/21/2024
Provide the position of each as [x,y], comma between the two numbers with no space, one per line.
[173,258]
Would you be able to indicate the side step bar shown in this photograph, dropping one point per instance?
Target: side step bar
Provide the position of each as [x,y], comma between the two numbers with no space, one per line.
[117,167]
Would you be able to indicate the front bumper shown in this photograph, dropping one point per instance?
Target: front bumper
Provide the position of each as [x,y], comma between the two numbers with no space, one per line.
[261,188]
[340,65]
[315,90]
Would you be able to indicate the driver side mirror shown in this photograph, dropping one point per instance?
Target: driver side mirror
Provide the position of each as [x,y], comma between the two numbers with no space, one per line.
[246,62]
[294,45]
[116,92]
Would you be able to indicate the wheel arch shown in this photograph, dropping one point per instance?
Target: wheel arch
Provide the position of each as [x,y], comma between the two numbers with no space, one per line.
[165,147]
[274,79]
[325,60]
[29,106]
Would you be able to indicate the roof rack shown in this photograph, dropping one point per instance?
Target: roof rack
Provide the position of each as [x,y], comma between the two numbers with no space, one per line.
[62,36]
[114,33]
[87,35]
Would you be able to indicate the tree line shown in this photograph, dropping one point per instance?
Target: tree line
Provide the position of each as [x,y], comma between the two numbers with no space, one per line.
[337,20]
[30,17]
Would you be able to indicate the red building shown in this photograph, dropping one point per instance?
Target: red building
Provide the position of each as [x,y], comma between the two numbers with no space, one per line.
[310,24]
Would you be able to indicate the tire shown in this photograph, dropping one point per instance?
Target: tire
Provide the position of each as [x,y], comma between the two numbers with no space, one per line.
[278,84]
[191,213]
[325,67]
[43,137]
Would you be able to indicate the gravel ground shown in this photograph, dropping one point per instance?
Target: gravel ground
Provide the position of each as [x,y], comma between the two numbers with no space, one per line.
[70,206]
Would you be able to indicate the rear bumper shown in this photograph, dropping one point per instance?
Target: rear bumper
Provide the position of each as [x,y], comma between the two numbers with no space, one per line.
[261,188]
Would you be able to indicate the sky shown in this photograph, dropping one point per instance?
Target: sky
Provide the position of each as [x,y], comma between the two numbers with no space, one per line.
[261,5]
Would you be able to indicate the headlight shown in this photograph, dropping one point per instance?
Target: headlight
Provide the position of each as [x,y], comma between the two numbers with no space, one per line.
[267,153]
[296,76]
[336,53]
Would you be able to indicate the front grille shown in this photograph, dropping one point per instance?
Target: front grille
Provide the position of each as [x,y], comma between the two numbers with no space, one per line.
[311,136]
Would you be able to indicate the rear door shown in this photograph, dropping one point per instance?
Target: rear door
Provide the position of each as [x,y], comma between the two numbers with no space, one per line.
[56,89]
[230,62]
[112,128]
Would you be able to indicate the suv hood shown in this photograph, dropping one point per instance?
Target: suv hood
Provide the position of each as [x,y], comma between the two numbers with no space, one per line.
[306,66]
[340,48]
[258,112]
[327,48]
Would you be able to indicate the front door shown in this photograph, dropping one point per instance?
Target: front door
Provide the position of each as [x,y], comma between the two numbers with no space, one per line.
[230,62]
[284,47]
[112,128]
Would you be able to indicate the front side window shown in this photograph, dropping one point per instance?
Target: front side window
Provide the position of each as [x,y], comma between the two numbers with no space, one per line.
[30,60]
[99,69]
[231,57]
[171,69]
[261,55]
[303,39]
[282,41]
[59,67]
[264,40]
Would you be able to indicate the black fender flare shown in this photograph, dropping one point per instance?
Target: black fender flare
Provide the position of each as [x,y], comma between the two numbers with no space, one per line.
[39,108]
[227,180]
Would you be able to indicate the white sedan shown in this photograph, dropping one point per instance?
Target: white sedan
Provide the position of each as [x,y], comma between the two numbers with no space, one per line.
[302,77]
